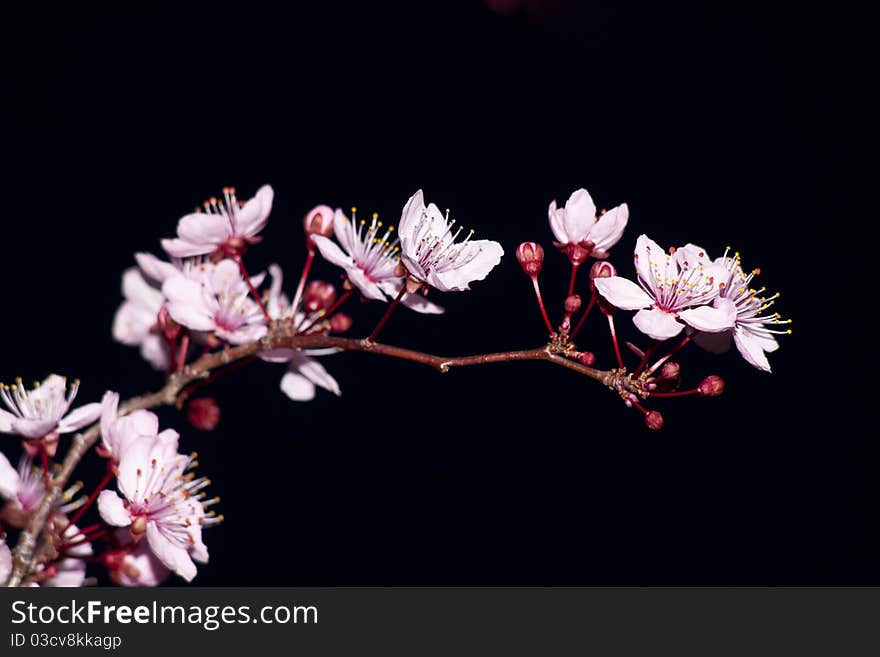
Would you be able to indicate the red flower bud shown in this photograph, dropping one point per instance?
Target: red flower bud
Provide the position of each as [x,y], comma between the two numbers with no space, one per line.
[319,295]
[203,413]
[319,221]
[340,323]
[670,370]
[711,386]
[653,420]
[531,257]
[587,358]
[572,304]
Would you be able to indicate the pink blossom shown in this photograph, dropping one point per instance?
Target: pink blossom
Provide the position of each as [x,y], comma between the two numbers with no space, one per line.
[673,290]
[70,569]
[135,323]
[304,373]
[5,561]
[225,227]
[580,233]
[370,259]
[216,299]
[23,487]
[752,331]
[162,502]
[432,256]
[43,410]
[118,432]
[135,564]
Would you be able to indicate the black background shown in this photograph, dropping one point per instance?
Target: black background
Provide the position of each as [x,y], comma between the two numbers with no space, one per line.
[714,127]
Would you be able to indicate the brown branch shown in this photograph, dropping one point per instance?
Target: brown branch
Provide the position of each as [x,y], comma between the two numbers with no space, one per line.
[26,552]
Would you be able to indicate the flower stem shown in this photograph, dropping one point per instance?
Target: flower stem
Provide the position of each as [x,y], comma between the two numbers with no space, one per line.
[391,308]
[583,318]
[101,486]
[649,353]
[184,347]
[614,340]
[310,258]
[254,293]
[327,313]
[672,351]
[574,271]
[541,305]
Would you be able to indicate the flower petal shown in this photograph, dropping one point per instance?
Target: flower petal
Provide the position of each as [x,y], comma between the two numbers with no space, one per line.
[657,324]
[411,215]
[32,428]
[254,214]
[416,301]
[5,562]
[112,509]
[478,258]
[608,229]
[79,418]
[750,348]
[141,568]
[9,481]
[6,419]
[368,288]
[137,290]
[154,269]
[175,558]
[187,304]
[720,316]
[203,228]
[332,253]
[297,387]
[154,350]
[132,324]
[178,248]
[580,215]
[623,293]
[314,372]
[557,225]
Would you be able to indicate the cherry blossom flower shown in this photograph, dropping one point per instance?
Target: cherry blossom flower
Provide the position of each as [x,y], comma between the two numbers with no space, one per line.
[161,501]
[225,227]
[5,561]
[135,323]
[70,569]
[24,489]
[304,373]
[134,564]
[118,432]
[433,257]
[370,261]
[580,233]
[43,410]
[674,290]
[751,331]
[216,299]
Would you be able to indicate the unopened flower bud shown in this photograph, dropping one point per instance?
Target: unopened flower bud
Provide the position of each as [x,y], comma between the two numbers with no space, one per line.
[711,386]
[319,221]
[653,420]
[587,358]
[319,295]
[670,370]
[203,413]
[170,328]
[601,269]
[531,257]
[340,323]
[572,304]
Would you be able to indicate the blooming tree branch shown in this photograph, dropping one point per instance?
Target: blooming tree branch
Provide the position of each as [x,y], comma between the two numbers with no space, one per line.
[201,315]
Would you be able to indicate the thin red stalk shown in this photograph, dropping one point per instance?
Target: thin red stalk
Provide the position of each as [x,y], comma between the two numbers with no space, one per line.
[649,353]
[672,352]
[583,318]
[640,407]
[327,313]
[85,530]
[254,293]
[541,305]
[310,258]
[614,340]
[574,271]
[86,539]
[391,308]
[101,486]
[184,347]
[681,393]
